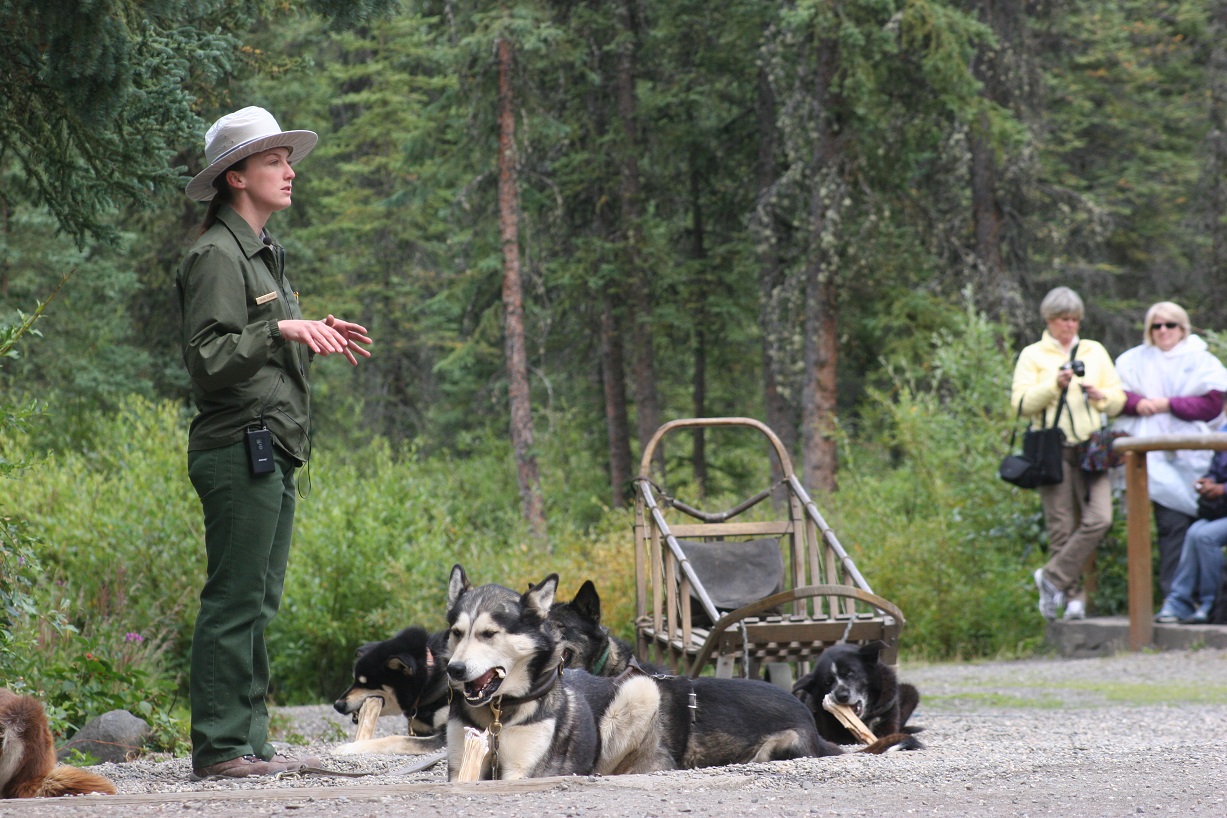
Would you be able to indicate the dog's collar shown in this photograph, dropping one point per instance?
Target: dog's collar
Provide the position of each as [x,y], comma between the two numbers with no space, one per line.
[601,662]
[542,688]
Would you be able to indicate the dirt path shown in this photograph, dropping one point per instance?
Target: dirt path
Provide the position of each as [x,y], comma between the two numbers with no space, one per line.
[1136,734]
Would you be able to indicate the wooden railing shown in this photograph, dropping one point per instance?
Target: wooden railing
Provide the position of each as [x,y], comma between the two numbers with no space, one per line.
[1137,512]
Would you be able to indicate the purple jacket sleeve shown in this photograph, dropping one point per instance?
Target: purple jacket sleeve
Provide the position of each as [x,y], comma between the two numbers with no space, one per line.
[1198,407]
[1131,403]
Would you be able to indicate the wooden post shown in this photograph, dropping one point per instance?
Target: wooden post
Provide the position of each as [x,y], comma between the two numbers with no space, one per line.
[1141,577]
[1137,505]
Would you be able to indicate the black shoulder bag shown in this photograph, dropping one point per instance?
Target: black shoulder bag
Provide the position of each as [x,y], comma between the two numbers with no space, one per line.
[1040,463]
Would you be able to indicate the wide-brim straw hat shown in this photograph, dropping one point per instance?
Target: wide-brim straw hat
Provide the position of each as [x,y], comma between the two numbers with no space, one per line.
[243,133]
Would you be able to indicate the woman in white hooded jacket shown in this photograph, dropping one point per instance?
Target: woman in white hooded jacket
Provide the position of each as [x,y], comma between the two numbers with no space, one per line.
[1173,385]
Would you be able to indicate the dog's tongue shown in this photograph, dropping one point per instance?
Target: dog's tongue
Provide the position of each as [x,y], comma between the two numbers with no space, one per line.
[481,681]
[483,685]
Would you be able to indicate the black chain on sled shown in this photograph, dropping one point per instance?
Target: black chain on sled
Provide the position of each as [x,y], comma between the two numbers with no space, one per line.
[666,500]
[848,628]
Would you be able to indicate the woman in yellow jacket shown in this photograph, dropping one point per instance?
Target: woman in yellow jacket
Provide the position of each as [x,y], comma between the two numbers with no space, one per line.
[1078,510]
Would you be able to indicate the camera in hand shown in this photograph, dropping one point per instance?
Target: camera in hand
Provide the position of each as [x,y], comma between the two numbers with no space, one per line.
[1078,367]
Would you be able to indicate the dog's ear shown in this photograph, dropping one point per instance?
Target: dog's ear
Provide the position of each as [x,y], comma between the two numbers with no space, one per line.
[399,665]
[587,602]
[871,650]
[540,597]
[457,585]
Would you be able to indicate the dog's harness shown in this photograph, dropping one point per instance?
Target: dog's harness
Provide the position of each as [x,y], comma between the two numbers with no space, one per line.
[692,698]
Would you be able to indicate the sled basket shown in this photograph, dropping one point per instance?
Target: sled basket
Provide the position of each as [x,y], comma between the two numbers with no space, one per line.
[747,596]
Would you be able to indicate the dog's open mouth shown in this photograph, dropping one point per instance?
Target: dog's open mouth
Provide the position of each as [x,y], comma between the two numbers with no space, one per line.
[483,688]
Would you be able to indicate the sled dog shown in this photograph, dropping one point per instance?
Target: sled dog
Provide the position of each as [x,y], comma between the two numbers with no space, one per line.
[409,673]
[27,755]
[734,720]
[505,668]
[586,642]
[855,676]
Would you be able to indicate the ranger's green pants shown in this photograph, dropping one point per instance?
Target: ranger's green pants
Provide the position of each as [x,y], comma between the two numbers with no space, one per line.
[248,525]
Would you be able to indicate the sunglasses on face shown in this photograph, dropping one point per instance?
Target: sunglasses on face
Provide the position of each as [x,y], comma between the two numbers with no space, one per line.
[1158,325]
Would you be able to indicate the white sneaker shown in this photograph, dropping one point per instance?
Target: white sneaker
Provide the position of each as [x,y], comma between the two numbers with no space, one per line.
[1050,597]
[1076,609]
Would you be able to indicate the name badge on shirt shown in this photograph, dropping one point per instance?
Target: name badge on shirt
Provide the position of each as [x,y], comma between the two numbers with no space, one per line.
[264,299]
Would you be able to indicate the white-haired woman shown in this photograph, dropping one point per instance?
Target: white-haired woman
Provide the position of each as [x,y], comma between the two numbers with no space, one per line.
[1078,510]
[1173,385]
[248,351]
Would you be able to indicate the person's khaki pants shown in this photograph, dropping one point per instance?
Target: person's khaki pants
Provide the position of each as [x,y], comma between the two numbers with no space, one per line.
[1077,513]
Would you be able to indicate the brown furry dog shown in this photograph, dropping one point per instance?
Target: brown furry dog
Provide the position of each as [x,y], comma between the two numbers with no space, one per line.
[27,755]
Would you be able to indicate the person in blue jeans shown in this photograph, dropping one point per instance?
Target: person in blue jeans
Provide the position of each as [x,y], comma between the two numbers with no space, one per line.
[1200,570]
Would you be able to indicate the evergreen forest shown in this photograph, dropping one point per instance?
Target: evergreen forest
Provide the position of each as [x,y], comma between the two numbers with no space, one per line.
[566,222]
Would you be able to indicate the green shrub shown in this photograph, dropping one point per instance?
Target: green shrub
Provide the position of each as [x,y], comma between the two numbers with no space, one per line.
[75,673]
[922,512]
[375,542]
[121,527]
[91,684]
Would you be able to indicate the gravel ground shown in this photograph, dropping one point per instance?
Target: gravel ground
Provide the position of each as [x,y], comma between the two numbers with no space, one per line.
[1132,734]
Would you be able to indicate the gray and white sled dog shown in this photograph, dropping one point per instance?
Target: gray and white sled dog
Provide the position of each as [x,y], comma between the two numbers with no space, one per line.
[506,664]
[506,671]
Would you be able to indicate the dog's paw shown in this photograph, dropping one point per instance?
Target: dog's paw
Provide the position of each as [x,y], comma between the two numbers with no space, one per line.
[351,748]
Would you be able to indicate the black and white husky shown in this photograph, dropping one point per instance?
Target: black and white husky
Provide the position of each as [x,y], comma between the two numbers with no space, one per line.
[586,642]
[856,676]
[733,720]
[506,671]
[408,674]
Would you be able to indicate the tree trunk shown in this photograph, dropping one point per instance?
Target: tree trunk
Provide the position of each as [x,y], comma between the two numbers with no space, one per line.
[819,393]
[698,456]
[780,416]
[532,503]
[1216,284]
[999,67]
[613,378]
[821,295]
[989,221]
[4,262]
[647,407]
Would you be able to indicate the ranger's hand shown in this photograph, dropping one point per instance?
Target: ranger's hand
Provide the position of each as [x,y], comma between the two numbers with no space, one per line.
[354,335]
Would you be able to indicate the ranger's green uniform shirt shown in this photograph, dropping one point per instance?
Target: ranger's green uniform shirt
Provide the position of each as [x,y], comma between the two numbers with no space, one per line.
[232,292]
